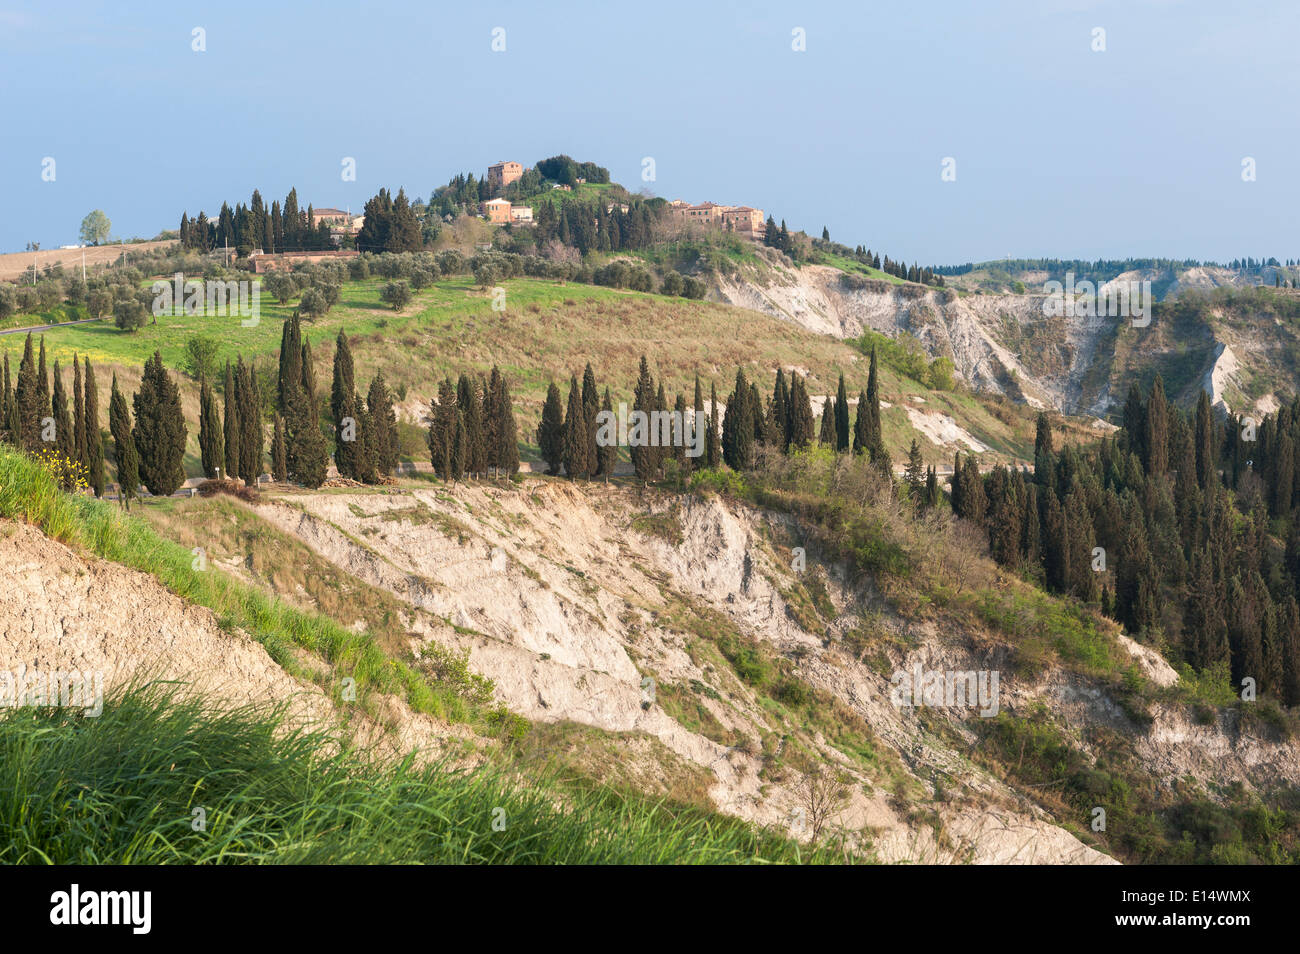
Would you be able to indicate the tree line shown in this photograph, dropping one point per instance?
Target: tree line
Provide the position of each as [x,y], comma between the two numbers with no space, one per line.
[568,435]
[1184,509]
[254,226]
[37,416]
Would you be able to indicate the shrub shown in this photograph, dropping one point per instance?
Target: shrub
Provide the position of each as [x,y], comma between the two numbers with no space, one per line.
[129,315]
[231,488]
[397,294]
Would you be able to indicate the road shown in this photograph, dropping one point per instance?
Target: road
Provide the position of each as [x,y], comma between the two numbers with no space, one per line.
[33,328]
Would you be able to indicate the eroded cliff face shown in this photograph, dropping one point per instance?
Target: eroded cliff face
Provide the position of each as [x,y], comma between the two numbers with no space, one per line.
[595,606]
[589,605]
[1018,344]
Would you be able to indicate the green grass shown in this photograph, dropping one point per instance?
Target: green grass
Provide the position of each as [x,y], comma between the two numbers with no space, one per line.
[124,788]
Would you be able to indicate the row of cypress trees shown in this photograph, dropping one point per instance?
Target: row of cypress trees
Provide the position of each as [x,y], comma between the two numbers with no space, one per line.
[35,415]
[472,429]
[567,434]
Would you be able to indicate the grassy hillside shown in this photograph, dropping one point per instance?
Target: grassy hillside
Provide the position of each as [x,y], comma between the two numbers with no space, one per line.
[548,331]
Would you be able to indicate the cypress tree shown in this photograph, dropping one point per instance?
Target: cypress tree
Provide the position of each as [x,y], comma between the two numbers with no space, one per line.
[43,383]
[551,431]
[861,427]
[211,446]
[349,438]
[159,431]
[956,495]
[94,438]
[367,443]
[874,440]
[738,428]
[343,410]
[125,456]
[491,419]
[1044,454]
[9,421]
[459,447]
[63,435]
[915,474]
[471,406]
[250,424]
[609,451]
[591,407]
[972,485]
[1134,422]
[78,412]
[643,458]
[27,397]
[231,423]
[506,430]
[1030,532]
[776,431]
[383,424]
[931,496]
[680,441]
[713,440]
[1205,457]
[279,467]
[698,418]
[441,434]
[826,434]
[802,425]
[662,450]
[1156,440]
[841,418]
[576,443]
[755,412]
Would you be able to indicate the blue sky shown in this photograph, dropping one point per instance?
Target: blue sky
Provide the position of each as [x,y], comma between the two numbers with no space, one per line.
[1060,150]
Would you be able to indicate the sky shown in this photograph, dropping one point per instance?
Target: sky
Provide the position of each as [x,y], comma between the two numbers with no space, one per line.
[1059,149]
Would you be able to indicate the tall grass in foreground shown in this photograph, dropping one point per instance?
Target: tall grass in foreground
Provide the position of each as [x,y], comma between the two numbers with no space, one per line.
[123,789]
[28,493]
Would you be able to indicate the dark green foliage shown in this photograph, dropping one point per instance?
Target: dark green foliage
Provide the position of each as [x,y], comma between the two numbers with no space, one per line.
[211,441]
[230,423]
[250,423]
[471,407]
[841,418]
[28,400]
[507,432]
[608,451]
[577,440]
[125,456]
[738,427]
[279,465]
[159,431]
[551,430]
[78,411]
[63,433]
[644,460]
[94,437]
[383,425]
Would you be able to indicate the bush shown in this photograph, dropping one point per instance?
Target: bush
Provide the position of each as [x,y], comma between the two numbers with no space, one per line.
[397,294]
[231,488]
[129,315]
[313,304]
[200,360]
